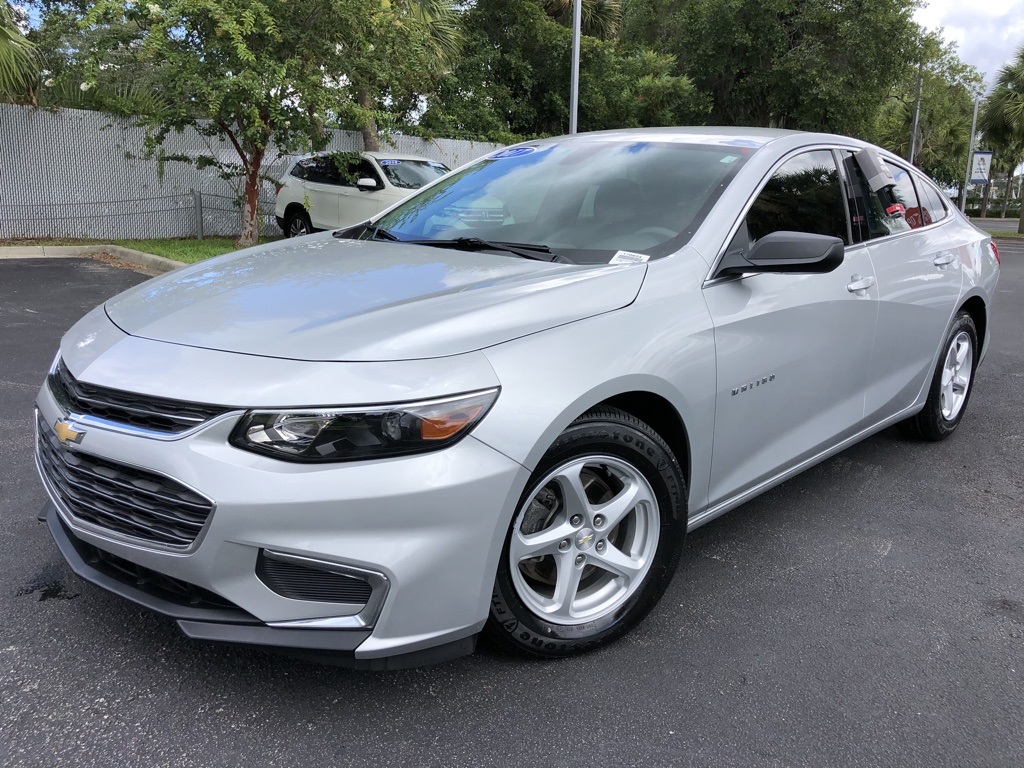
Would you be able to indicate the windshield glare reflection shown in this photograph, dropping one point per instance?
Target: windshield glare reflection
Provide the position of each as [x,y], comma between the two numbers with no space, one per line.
[587,200]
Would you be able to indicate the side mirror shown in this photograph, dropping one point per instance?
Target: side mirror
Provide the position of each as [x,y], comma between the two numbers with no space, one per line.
[367,185]
[792,252]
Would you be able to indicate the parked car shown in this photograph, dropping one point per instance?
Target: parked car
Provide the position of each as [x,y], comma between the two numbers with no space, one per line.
[500,406]
[332,190]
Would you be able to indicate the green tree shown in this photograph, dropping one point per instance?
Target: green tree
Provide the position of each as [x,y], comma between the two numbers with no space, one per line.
[1002,117]
[260,74]
[513,80]
[948,88]
[804,64]
[18,65]
[599,18]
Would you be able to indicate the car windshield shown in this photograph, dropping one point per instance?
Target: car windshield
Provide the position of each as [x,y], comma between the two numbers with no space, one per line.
[411,174]
[586,200]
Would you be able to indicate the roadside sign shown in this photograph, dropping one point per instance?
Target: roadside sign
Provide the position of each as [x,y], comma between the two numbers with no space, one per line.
[980,167]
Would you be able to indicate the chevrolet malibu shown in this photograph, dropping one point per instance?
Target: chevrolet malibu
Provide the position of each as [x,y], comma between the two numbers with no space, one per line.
[499,406]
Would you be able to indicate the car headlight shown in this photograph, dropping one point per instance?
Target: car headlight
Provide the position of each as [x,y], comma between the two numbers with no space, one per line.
[366,432]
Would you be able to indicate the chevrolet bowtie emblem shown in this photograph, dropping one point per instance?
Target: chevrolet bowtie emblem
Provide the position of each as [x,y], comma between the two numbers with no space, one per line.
[66,434]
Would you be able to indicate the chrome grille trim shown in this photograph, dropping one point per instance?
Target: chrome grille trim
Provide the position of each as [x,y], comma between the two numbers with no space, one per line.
[161,417]
[118,500]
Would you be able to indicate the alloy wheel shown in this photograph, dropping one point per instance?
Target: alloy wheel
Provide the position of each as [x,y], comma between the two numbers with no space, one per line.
[584,540]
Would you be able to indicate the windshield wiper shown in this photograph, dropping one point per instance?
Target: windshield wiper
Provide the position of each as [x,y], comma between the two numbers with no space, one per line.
[535,251]
[357,232]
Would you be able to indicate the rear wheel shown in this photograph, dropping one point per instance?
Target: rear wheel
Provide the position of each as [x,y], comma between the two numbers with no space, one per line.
[595,540]
[951,385]
[297,223]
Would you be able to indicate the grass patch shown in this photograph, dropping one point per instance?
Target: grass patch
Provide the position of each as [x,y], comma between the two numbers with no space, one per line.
[1005,235]
[185,251]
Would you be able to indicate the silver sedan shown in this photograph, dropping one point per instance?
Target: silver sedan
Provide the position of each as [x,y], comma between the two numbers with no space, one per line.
[499,406]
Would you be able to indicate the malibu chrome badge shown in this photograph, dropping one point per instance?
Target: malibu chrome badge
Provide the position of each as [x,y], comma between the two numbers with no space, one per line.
[66,434]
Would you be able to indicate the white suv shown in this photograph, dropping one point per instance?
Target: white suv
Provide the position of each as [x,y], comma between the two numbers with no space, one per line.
[320,192]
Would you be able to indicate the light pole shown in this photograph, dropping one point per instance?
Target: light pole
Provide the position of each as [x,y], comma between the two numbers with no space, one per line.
[574,87]
[917,115]
[970,154]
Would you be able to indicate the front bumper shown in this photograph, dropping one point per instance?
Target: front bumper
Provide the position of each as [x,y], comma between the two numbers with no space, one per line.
[430,525]
[207,620]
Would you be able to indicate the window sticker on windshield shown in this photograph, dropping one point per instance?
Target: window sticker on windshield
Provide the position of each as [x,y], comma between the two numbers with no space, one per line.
[389,162]
[729,159]
[505,154]
[628,257]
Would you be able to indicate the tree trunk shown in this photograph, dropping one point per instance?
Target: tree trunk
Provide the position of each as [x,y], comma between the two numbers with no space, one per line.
[371,139]
[985,199]
[250,202]
[1006,194]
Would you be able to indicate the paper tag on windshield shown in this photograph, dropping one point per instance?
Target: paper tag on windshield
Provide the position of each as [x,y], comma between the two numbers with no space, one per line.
[628,257]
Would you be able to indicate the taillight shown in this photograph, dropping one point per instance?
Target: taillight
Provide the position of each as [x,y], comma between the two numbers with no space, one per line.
[995,252]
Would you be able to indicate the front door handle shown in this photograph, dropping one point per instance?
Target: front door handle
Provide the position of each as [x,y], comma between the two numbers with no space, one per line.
[943,259]
[860,285]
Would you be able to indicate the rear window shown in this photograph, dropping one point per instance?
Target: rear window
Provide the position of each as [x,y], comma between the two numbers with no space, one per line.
[933,208]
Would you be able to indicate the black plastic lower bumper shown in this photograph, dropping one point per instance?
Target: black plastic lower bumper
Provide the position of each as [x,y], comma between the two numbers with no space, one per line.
[218,621]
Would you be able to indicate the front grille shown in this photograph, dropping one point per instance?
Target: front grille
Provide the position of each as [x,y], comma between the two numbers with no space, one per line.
[122,499]
[301,583]
[154,413]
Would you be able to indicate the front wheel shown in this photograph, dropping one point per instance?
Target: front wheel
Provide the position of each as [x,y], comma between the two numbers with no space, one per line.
[595,539]
[951,384]
[297,224]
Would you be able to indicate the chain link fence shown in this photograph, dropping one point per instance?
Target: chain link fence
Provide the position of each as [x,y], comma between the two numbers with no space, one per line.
[196,214]
[79,174]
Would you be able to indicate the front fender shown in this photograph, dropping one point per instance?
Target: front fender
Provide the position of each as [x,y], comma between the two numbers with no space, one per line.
[662,348]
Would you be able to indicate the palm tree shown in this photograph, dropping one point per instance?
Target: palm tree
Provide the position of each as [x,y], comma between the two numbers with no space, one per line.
[438,23]
[600,18]
[17,57]
[1002,117]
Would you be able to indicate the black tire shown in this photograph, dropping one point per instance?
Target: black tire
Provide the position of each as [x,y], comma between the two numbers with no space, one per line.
[296,223]
[633,446]
[931,424]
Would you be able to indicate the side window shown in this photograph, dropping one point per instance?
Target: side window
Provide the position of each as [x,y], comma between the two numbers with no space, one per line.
[322,170]
[932,207]
[869,218]
[906,196]
[804,195]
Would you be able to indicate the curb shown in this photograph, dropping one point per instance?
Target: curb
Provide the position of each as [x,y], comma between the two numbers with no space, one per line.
[128,255]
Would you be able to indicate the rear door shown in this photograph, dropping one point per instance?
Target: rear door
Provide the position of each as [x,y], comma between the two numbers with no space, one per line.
[322,182]
[792,349]
[919,273]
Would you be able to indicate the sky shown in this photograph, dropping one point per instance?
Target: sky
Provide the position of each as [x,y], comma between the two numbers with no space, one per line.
[989,33]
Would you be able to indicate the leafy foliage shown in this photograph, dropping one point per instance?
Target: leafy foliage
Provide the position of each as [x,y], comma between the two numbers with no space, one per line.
[947,102]
[18,62]
[804,64]
[256,73]
[1002,118]
[513,80]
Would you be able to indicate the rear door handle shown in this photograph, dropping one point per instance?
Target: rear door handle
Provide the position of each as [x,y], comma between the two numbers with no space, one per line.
[943,259]
[860,284]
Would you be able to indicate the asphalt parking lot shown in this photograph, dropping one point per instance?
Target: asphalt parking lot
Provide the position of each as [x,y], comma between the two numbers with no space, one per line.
[869,612]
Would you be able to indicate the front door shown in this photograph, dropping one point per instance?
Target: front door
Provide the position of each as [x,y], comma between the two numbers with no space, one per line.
[792,349]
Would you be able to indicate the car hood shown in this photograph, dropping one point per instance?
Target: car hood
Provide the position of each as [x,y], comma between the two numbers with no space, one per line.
[321,298]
